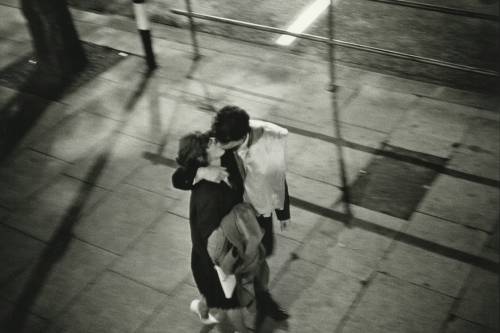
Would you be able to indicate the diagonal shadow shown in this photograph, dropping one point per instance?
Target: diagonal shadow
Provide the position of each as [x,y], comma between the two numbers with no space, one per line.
[61,240]
[55,250]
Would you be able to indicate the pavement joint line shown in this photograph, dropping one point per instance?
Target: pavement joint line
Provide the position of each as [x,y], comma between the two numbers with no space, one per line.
[489,233]
[442,169]
[144,284]
[357,300]
[150,191]
[401,236]
[456,302]
[107,268]
[154,314]
[50,155]
[314,179]
[373,227]
[96,246]
[290,238]
[367,283]
[24,233]
[64,173]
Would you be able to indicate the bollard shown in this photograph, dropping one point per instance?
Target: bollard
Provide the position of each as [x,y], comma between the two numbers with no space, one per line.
[143,26]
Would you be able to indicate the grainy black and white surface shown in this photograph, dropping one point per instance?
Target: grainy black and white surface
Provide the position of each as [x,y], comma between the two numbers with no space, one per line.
[94,238]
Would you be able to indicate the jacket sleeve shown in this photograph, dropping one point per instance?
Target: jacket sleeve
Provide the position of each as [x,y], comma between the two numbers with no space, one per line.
[284,214]
[182,178]
[207,218]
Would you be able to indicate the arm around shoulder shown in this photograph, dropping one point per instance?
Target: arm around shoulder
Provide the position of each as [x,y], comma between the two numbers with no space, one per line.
[182,178]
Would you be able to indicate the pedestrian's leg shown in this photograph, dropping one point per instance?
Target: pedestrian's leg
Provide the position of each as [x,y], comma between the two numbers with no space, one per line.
[237,319]
[266,223]
[203,308]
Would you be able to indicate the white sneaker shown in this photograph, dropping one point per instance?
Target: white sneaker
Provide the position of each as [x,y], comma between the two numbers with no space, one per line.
[195,308]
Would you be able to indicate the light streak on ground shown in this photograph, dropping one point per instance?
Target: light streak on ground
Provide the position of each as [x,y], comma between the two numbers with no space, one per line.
[304,20]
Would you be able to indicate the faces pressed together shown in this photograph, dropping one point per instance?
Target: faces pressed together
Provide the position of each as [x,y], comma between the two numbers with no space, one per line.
[214,150]
[232,144]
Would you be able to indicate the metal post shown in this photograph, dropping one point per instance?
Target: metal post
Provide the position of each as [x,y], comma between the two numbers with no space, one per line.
[197,54]
[143,26]
[346,198]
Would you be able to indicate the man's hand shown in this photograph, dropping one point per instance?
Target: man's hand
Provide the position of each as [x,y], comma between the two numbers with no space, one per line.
[284,224]
[211,173]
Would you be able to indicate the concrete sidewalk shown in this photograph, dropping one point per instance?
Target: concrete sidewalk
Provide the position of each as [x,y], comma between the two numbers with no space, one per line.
[95,239]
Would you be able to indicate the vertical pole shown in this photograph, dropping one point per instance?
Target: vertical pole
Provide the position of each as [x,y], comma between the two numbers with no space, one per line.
[346,198]
[143,26]
[196,49]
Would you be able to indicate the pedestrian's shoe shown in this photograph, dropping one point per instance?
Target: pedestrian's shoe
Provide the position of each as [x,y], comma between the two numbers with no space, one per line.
[278,314]
[195,308]
[272,309]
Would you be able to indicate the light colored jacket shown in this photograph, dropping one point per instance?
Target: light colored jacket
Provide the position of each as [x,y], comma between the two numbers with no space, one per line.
[237,249]
[265,165]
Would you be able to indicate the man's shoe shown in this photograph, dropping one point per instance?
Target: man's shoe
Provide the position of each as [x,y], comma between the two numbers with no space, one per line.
[272,309]
[278,314]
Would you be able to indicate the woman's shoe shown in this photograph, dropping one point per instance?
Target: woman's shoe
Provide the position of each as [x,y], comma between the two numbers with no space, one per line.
[195,308]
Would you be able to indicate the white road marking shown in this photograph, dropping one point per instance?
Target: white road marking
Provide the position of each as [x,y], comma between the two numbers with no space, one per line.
[304,20]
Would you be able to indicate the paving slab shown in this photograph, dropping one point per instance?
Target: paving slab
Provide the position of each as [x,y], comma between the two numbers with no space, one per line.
[392,186]
[174,315]
[122,217]
[463,202]
[28,172]
[11,49]
[13,25]
[17,251]
[396,84]
[55,208]
[458,325]
[161,257]
[103,97]
[431,127]
[315,297]
[302,222]
[33,323]
[76,137]
[53,281]
[469,98]
[393,305]
[284,249]
[314,191]
[116,39]
[318,159]
[352,251]
[123,154]
[374,217]
[480,302]
[155,178]
[224,69]
[377,109]
[447,233]
[113,304]
[164,121]
[479,152]
[427,269]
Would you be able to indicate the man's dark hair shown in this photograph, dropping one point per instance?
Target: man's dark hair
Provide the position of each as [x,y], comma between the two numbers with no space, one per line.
[230,124]
[193,150]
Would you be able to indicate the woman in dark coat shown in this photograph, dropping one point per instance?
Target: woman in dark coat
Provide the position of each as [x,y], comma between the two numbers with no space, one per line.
[209,203]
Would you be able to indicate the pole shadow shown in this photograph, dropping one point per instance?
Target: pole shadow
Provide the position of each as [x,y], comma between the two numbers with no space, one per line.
[60,241]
